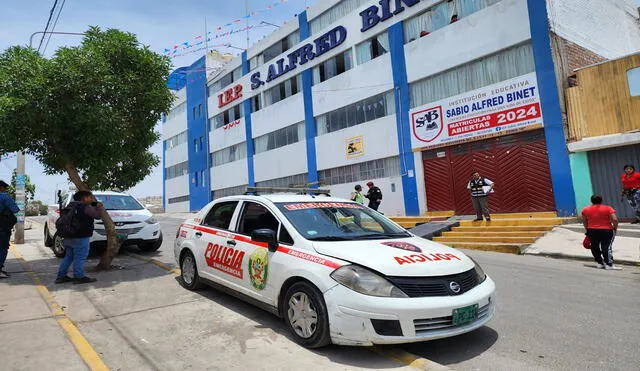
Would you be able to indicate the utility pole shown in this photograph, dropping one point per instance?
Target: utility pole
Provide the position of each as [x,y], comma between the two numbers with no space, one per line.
[20,168]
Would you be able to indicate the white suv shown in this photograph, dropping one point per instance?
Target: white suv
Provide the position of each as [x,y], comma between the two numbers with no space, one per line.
[135,225]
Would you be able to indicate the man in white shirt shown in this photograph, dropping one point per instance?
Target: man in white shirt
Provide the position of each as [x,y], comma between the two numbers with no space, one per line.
[480,188]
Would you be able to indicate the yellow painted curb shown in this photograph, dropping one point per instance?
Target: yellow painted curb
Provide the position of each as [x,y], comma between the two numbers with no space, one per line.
[84,349]
[408,359]
[157,263]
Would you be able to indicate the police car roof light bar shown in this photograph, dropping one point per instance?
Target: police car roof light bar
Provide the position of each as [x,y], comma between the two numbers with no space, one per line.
[272,190]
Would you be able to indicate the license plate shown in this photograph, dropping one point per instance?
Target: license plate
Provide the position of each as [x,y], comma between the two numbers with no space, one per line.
[122,236]
[465,315]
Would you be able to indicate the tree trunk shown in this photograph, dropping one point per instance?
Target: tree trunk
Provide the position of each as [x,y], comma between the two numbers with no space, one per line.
[113,245]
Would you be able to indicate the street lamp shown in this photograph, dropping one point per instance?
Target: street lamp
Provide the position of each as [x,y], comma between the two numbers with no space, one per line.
[269,24]
[234,47]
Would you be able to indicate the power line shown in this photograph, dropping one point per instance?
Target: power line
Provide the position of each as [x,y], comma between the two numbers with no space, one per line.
[55,3]
[53,28]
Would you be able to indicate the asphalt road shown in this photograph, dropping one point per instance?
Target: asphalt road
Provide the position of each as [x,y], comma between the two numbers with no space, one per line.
[551,315]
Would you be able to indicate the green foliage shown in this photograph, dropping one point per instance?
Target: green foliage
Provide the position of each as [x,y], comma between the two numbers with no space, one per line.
[91,108]
[29,188]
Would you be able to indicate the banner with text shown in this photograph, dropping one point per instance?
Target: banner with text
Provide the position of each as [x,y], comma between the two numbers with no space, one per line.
[500,109]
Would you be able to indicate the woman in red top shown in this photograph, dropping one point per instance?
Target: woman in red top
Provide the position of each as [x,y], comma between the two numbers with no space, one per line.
[601,224]
[631,189]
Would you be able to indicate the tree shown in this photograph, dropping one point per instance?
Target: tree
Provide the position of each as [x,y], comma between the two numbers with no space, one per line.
[29,188]
[89,112]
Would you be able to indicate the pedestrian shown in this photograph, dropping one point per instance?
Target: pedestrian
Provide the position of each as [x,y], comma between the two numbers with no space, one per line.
[600,222]
[84,210]
[631,189]
[357,196]
[480,188]
[374,195]
[8,209]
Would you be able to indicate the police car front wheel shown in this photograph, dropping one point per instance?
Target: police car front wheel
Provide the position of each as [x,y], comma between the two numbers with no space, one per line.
[305,313]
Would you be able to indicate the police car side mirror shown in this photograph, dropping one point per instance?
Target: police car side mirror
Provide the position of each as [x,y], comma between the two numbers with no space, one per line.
[266,235]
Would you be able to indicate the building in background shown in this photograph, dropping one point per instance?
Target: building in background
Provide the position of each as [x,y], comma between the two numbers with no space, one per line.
[604,128]
[414,95]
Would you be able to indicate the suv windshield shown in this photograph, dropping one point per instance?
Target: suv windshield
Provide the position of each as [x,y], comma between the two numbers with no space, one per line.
[119,202]
[339,221]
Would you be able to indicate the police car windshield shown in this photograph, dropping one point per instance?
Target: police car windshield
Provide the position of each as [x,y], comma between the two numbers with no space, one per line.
[119,202]
[339,221]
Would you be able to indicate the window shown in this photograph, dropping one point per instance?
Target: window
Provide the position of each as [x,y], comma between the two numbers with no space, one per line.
[280,46]
[202,143]
[256,216]
[366,110]
[199,110]
[177,110]
[176,140]
[194,112]
[633,78]
[376,169]
[229,154]
[292,181]
[203,179]
[440,16]
[256,62]
[332,67]
[280,138]
[220,215]
[177,170]
[256,103]
[231,191]
[176,200]
[195,145]
[232,114]
[224,81]
[195,179]
[504,65]
[372,48]
[332,15]
[116,202]
[284,236]
[283,90]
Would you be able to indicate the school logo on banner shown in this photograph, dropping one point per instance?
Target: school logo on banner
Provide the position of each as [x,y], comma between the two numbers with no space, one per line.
[427,124]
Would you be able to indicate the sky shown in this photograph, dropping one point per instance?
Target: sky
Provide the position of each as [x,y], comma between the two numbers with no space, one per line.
[158,24]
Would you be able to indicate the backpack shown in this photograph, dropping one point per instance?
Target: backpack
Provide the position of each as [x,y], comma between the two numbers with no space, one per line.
[68,224]
[7,220]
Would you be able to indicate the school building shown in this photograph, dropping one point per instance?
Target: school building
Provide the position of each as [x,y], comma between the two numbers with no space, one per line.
[413,95]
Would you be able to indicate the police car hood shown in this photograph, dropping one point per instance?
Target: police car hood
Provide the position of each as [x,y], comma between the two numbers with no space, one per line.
[406,257]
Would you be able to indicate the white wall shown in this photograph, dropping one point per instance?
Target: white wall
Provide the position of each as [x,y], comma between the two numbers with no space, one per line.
[176,155]
[380,140]
[277,116]
[177,187]
[281,162]
[230,174]
[491,29]
[392,202]
[174,126]
[607,27]
[223,138]
[180,207]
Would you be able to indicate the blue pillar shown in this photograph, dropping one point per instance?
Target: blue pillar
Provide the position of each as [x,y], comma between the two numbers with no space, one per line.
[248,129]
[402,101]
[310,121]
[199,193]
[552,113]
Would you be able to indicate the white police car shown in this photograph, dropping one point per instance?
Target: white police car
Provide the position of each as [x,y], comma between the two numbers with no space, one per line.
[336,271]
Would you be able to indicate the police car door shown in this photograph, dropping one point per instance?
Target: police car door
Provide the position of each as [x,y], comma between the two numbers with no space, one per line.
[214,241]
[254,215]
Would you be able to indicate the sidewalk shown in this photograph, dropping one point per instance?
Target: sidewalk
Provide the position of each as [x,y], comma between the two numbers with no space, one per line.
[566,242]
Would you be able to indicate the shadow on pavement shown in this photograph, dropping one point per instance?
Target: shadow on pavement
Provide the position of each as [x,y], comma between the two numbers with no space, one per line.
[456,349]
[348,356]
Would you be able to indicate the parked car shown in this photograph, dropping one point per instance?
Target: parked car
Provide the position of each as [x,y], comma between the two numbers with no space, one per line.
[135,225]
[336,271]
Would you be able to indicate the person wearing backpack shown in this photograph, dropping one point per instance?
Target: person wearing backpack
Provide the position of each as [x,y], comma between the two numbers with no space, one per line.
[75,226]
[8,209]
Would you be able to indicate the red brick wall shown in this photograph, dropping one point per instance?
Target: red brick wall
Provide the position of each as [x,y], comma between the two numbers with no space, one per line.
[578,56]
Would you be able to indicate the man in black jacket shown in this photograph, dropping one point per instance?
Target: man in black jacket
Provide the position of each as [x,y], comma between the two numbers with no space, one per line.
[374,195]
[77,246]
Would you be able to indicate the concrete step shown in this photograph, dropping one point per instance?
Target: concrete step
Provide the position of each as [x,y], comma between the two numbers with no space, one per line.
[490,239]
[415,219]
[502,228]
[509,248]
[487,233]
[445,214]
[545,214]
[514,222]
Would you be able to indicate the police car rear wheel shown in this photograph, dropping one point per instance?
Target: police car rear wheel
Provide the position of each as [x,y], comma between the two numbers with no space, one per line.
[189,272]
[305,314]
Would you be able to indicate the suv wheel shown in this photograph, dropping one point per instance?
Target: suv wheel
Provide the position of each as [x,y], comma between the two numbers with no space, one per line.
[305,314]
[58,247]
[48,240]
[189,278]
